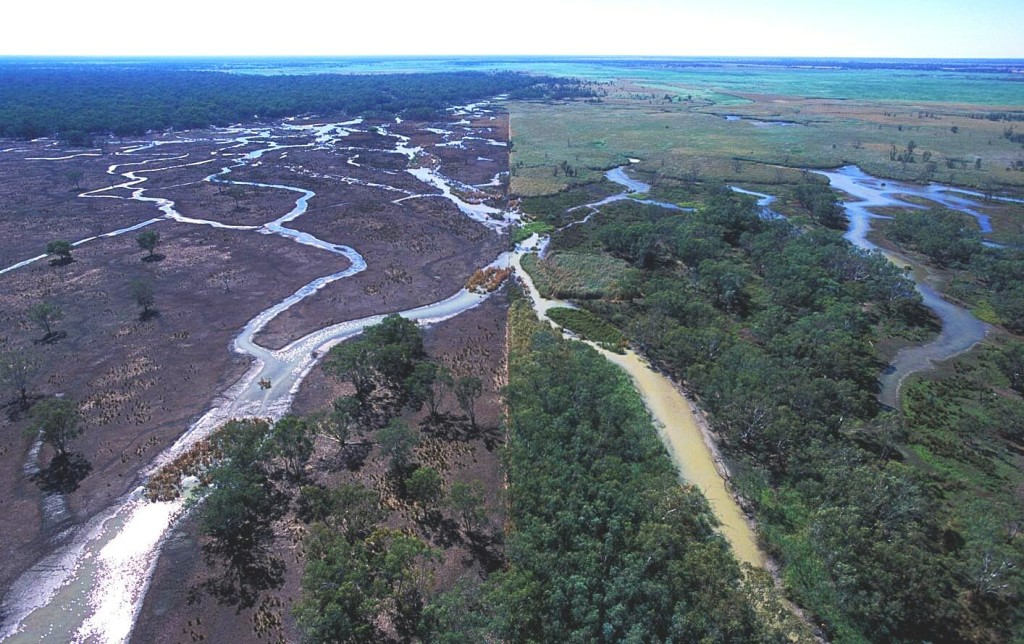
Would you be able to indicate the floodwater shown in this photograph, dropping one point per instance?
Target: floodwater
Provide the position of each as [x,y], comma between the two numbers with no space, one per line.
[92,584]
[960,329]
[690,449]
[697,462]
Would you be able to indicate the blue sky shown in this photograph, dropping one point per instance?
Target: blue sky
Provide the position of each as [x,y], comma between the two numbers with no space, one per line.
[861,28]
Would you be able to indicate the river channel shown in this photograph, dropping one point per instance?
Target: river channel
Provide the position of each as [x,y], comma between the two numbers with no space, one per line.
[691,449]
[91,586]
[960,329]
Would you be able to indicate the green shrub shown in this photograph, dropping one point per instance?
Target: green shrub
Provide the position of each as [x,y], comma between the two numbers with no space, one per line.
[589,326]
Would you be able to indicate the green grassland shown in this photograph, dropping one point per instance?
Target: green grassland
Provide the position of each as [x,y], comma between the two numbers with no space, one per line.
[524,232]
[861,84]
[681,141]
[579,275]
[589,327]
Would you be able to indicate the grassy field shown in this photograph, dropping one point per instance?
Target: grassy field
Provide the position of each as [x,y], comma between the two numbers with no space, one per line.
[579,275]
[820,78]
[589,327]
[680,140]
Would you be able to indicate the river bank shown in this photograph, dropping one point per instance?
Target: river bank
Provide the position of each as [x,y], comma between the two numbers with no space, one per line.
[687,439]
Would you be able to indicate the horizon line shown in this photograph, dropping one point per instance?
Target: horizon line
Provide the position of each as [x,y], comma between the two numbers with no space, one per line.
[503,57]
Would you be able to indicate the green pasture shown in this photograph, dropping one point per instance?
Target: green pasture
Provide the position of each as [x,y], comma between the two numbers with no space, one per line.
[690,141]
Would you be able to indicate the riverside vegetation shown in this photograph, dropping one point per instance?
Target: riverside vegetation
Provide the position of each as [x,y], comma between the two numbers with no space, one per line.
[649,563]
[888,525]
[605,544]
[874,515]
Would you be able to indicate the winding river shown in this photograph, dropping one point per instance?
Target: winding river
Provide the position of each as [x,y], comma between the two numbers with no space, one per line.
[91,586]
[691,450]
[960,329]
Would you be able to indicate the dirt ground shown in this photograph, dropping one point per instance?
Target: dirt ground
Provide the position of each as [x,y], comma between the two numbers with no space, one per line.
[141,380]
[176,610]
[140,383]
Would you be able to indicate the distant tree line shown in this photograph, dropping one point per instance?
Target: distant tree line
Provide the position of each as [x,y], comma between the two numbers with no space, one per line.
[73,103]
[999,116]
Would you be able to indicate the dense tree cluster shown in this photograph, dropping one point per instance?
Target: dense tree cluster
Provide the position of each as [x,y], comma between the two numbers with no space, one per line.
[948,238]
[553,89]
[990,276]
[774,327]
[246,492]
[383,364]
[73,101]
[607,545]
[364,582]
[359,574]
[819,200]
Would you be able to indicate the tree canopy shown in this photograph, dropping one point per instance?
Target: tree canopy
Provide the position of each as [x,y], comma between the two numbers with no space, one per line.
[100,99]
[57,421]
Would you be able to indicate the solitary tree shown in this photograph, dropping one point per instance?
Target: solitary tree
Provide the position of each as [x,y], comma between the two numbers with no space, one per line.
[60,248]
[384,357]
[467,390]
[424,486]
[74,177]
[237,193]
[436,388]
[56,421]
[17,371]
[44,314]
[293,443]
[148,240]
[397,440]
[142,293]
[467,501]
[342,420]
[428,384]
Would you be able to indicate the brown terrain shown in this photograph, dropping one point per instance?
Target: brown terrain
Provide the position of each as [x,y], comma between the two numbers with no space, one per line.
[176,610]
[142,380]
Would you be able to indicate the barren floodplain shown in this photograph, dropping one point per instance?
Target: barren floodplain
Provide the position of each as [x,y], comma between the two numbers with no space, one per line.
[268,235]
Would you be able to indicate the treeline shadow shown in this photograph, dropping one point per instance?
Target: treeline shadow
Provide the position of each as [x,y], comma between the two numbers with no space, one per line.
[486,549]
[241,582]
[451,427]
[50,338]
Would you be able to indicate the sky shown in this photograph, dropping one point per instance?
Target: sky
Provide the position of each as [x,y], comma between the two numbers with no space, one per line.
[854,28]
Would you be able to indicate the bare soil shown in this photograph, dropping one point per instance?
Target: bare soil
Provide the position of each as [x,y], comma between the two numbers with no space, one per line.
[142,380]
[176,608]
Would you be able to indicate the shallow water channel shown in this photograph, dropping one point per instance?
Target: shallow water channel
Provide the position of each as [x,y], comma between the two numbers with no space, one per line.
[92,584]
[960,329]
[690,449]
